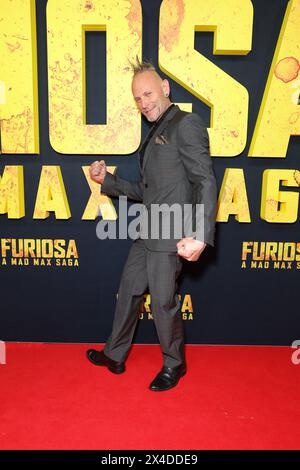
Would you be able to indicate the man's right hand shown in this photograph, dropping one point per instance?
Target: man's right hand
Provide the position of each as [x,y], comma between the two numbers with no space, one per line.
[98,171]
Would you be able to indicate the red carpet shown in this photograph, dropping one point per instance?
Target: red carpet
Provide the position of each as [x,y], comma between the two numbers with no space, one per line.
[233,397]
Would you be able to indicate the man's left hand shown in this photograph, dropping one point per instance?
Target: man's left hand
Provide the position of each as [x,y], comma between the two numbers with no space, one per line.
[190,249]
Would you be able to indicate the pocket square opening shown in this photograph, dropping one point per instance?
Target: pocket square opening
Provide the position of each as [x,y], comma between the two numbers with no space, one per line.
[161,140]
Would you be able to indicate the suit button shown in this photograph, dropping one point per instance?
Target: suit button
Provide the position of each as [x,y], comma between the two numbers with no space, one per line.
[146,185]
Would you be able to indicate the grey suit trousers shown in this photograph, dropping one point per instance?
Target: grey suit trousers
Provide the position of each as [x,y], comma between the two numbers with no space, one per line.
[159,272]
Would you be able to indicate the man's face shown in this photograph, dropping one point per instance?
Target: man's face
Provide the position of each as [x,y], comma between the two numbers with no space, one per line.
[149,92]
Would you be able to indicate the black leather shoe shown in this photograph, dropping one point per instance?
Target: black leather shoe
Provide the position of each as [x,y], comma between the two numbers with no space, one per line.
[167,378]
[98,358]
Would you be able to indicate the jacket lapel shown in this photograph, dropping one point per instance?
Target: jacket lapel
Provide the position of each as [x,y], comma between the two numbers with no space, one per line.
[159,130]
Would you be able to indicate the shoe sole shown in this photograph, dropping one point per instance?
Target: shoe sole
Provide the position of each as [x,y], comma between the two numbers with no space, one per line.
[116,371]
[111,369]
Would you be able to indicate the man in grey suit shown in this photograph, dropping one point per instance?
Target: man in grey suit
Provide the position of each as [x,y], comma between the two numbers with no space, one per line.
[176,168]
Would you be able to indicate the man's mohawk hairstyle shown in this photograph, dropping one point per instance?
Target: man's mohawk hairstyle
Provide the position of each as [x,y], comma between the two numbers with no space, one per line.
[139,66]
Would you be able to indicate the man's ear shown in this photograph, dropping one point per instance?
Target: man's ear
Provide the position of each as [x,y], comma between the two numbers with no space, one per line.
[166,87]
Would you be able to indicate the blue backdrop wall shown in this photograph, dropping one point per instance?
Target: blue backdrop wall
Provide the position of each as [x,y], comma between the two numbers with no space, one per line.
[224,302]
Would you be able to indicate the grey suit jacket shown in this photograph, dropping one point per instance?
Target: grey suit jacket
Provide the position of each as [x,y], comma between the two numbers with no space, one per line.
[177,168]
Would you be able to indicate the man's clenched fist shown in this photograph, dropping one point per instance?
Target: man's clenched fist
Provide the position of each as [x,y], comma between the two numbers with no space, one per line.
[98,171]
[190,249]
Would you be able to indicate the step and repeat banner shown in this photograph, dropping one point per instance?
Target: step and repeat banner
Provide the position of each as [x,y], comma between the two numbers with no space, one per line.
[65,101]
